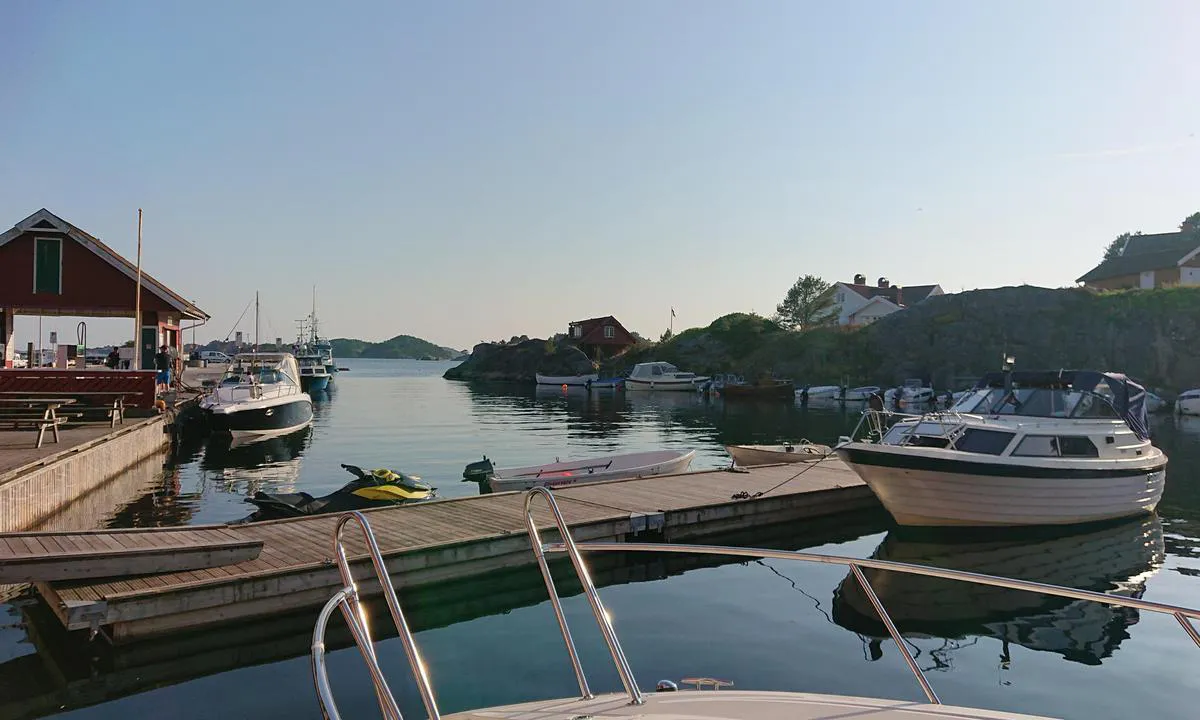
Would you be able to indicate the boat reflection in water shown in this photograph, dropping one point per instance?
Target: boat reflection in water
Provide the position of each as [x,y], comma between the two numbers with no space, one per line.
[1116,558]
[272,463]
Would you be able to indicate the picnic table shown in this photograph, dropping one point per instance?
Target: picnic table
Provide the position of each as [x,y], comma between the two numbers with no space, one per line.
[113,400]
[34,412]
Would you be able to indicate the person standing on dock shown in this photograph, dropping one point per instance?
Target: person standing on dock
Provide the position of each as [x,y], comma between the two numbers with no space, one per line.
[162,363]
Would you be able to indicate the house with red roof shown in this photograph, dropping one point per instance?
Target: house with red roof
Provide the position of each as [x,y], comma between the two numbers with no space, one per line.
[600,337]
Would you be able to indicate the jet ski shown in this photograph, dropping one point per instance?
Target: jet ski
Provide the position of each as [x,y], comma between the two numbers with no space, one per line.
[377,488]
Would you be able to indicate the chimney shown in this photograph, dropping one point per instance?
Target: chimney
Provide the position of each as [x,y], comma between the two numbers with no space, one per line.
[860,279]
[883,282]
[900,296]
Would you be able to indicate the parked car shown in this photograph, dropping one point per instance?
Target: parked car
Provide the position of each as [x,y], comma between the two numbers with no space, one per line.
[214,356]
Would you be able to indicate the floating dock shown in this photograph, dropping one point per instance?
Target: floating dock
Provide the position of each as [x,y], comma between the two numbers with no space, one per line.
[447,540]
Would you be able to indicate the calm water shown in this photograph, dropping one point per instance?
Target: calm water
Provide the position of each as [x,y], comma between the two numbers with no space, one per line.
[762,625]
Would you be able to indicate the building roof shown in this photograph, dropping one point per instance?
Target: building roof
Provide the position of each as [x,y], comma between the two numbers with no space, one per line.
[877,300]
[594,334]
[45,220]
[1145,252]
[907,295]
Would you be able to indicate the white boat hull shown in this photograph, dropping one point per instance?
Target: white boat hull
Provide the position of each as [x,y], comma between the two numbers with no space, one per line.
[677,385]
[751,455]
[571,380]
[588,470]
[822,391]
[1188,406]
[978,496]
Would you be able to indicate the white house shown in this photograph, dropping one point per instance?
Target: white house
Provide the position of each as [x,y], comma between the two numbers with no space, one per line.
[858,303]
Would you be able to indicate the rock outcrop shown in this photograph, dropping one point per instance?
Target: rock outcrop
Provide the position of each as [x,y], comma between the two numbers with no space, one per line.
[521,361]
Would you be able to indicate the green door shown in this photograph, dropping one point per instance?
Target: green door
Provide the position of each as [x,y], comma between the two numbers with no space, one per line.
[149,338]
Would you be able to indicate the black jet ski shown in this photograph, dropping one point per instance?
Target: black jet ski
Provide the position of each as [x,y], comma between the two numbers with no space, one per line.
[378,488]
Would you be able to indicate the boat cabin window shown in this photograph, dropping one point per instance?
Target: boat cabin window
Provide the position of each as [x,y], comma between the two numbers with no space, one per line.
[656,370]
[987,442]
[1057,446]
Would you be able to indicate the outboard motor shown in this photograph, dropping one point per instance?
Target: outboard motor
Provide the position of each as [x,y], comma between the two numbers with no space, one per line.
[478,471]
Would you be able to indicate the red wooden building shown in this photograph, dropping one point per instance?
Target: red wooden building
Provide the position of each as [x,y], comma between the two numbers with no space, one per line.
[600,337]
[50,267]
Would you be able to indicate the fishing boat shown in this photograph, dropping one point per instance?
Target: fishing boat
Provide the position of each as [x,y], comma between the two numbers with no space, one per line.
[662,376]
[572,472]
[568,380]
[712,699]
[314,376]
[1024,448]
[259,395]
[760,390]
[803,451]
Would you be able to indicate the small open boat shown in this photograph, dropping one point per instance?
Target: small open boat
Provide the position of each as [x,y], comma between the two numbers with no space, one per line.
[762,389]
[572,380]
[803,451]
[571,472]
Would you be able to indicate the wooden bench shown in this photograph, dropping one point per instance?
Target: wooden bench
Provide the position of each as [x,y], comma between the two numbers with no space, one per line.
[115,412]
[39,413]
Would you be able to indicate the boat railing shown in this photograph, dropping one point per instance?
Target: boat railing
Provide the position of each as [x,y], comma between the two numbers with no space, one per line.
[347,599]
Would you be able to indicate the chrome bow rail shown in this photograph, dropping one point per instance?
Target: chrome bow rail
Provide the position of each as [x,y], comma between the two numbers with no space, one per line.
[348,600]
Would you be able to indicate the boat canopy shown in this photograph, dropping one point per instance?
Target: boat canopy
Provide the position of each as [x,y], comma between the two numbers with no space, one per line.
[1127,397]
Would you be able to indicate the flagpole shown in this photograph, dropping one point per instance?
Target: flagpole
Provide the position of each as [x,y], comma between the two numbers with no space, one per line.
[137,303]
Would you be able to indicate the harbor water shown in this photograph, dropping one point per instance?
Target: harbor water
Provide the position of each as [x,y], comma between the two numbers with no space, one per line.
[777,625]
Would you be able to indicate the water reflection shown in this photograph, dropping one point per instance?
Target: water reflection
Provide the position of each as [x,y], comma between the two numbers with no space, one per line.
[1116,558]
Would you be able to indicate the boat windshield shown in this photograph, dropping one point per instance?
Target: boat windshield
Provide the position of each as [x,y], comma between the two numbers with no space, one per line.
[242,375]
[1036,402]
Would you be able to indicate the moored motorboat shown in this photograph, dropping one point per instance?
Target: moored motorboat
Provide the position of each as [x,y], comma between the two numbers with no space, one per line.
[259,395]
[803,451]
[568,380]
[571,472]
[662,376]
[613,383]
[1024,448]
[1188,403]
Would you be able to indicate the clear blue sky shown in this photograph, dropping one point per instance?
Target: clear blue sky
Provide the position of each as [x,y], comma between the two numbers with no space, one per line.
[464,171]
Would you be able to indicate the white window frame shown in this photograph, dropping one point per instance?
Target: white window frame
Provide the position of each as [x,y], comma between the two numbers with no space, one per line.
[610,332]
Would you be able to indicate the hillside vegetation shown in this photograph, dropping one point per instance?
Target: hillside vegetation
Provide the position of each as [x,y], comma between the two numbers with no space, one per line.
[1152,335]
[401,346]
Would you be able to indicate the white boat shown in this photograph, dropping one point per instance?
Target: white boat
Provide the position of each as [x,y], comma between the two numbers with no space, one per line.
[804,451]
[1025,448]
[259,395]
[570,380]
[820,392]
[1155,403]
[662,376]
[1188,403]
[861,393]
[607,467]
[915,391]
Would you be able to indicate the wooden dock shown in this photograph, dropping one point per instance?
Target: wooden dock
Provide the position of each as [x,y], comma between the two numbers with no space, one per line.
[446,540]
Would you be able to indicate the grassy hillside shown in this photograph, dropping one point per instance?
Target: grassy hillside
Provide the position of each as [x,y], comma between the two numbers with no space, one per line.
[401,346]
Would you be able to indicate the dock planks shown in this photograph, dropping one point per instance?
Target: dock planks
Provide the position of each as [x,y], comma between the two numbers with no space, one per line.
[123,554]
[442,540]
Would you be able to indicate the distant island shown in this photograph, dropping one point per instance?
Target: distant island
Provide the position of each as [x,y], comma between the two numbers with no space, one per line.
[400,347]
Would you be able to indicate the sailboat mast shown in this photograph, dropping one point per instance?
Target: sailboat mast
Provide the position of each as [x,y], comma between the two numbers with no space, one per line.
[255,321]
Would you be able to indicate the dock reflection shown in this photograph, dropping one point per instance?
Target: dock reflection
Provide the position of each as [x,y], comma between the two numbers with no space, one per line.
[1116,559]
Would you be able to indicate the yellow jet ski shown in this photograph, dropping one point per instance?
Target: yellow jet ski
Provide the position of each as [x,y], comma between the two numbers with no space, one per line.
[378,488]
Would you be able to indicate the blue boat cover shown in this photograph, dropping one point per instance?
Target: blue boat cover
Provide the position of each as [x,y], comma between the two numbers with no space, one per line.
[1128,397]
